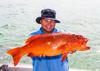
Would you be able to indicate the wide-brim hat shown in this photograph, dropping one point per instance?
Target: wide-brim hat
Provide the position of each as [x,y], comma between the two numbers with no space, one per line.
[47,13]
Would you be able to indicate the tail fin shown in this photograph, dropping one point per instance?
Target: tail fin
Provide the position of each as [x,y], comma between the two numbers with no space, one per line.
[16,55]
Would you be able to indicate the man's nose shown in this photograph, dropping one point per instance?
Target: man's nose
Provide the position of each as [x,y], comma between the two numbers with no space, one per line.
[49,21]
[49,26]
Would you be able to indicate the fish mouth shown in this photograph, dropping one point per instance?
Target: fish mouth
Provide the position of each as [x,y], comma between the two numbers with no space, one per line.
[84,48]
[88,47]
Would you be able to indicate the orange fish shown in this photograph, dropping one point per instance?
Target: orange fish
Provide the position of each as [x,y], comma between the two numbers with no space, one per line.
[50,45]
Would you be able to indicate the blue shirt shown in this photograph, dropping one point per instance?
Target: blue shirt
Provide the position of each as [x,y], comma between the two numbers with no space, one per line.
[53,63]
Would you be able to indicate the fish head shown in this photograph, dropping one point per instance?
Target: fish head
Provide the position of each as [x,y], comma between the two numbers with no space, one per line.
[78,43]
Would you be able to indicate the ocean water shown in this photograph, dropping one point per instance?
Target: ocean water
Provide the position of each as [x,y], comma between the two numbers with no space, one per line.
[17,20]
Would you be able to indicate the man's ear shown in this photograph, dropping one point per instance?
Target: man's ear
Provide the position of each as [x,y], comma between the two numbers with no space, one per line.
[40,21]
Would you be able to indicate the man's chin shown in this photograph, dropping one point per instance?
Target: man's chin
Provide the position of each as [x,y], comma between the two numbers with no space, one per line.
[48,30]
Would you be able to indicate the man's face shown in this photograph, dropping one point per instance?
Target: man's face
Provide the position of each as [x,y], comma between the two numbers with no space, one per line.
[48,24]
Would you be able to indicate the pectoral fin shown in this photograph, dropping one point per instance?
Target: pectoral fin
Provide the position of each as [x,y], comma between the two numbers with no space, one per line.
[64,56]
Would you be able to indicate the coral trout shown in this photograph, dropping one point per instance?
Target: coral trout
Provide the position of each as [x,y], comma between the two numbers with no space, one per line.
[49,45]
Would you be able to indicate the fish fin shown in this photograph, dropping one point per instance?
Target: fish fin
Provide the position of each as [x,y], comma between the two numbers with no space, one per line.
[30,55]
[16,55]
[12,51]
[64,55]
[63,47]
[32,38]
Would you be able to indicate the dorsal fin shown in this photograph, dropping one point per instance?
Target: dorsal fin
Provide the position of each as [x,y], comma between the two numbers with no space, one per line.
[41,36]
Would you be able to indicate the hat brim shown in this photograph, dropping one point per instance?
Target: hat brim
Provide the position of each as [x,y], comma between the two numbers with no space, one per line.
[39,18]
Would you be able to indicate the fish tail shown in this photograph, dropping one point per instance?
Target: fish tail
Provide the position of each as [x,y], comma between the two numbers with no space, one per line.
[16,55]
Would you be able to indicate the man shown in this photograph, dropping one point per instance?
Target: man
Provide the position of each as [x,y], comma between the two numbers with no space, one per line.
[48,22]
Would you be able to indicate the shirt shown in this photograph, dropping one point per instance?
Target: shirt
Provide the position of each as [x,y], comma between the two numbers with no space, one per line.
[53,63]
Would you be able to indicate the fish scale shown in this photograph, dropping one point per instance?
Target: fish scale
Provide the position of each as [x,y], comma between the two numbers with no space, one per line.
[49,45]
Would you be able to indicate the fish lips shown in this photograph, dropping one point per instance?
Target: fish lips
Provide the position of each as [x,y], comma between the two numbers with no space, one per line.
[84,49]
